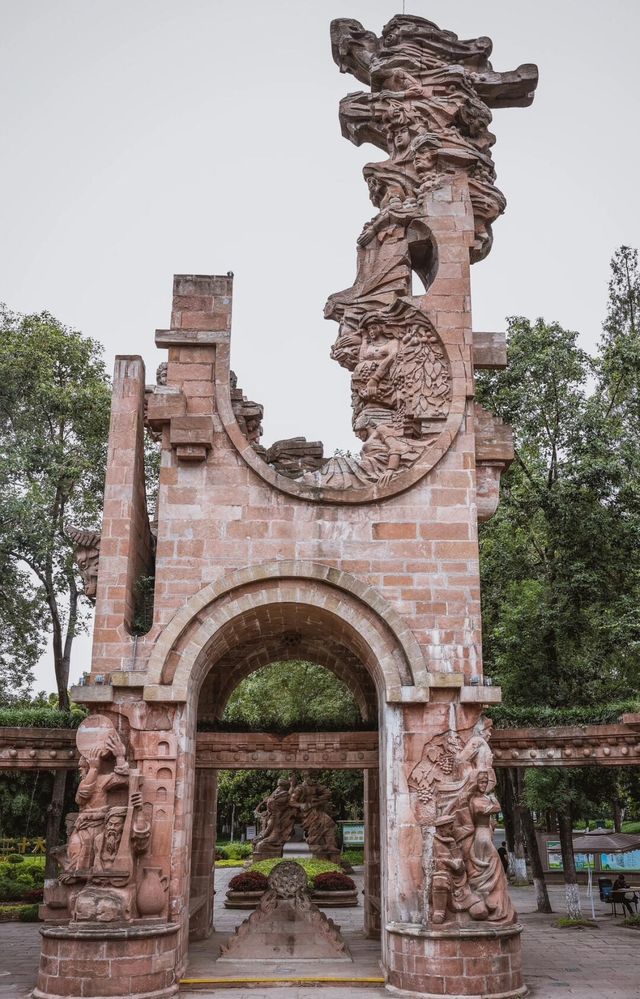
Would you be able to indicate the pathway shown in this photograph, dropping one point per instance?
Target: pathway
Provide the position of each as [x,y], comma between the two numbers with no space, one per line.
[601,963]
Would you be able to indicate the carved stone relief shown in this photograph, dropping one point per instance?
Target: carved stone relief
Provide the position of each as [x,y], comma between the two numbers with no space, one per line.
[454,805]
[99,865]
[400,392]
[87,556]
[428,108]
[286,924]
[308,803]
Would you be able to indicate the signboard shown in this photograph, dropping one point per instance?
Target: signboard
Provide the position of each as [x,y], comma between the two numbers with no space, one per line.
[629,861]
[583,861]
[352,834]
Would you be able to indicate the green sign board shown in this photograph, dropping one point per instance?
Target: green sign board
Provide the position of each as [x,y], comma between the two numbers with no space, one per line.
[582,860]
[352,834]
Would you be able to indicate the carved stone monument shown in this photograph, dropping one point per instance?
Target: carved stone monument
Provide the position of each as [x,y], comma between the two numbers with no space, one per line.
[308,803]
[366,565]
[286,924]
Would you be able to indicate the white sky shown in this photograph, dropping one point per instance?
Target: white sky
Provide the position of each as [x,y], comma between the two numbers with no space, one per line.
[147,137]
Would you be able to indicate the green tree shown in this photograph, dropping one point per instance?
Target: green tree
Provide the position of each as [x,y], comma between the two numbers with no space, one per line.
[560,560]
[22,631]
[54,416]
[290,695]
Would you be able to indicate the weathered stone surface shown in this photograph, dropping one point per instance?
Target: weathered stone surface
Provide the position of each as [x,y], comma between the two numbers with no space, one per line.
[367,566]
[286,924]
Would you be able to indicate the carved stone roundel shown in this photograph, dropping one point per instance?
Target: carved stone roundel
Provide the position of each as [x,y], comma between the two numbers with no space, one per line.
[287,879]
[93,733]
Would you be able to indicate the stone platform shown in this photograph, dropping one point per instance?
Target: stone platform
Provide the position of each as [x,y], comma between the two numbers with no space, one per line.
[603,963]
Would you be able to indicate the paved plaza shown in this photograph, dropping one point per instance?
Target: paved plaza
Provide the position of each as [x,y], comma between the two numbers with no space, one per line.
[602,963]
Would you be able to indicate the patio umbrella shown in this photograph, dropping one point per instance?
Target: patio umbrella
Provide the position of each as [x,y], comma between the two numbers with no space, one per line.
[603,841]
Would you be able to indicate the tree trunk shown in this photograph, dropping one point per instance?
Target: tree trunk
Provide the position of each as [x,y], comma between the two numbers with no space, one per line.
[54,820]
[565,830]
[506,803]
[518,862]
[550,821]
[542,895]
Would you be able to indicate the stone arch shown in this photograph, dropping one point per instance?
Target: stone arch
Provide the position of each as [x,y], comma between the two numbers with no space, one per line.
[301,595]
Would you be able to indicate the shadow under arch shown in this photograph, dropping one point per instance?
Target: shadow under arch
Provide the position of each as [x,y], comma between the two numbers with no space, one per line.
[273,599]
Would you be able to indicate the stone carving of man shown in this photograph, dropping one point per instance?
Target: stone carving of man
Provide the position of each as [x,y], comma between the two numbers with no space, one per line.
[314,801]
[93,798]
[87,557]
[107,843]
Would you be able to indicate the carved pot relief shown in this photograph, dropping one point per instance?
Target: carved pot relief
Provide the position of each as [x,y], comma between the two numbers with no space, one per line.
[152,891]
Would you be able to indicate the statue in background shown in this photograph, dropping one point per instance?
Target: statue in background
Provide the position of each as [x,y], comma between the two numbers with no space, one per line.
[314,802]
[277,815]
[308,803]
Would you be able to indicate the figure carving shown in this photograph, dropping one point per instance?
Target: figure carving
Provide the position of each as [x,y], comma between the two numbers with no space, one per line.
[314,802]
[451,790]
[278,816]
[110,831]
[428,108]
[308,803]
[87,556]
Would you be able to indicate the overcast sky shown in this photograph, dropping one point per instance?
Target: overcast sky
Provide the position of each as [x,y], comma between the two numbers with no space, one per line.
[147,137]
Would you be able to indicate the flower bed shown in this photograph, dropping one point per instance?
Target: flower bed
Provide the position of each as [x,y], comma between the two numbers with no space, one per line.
[328,884]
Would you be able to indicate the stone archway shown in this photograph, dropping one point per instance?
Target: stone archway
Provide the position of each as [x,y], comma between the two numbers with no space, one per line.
[242,628]
[225,675]
[207,625]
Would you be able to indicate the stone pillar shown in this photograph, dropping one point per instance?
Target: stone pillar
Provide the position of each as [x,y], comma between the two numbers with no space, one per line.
[203,848]
[372,901]
[136,961]
[450,927]
[126,544]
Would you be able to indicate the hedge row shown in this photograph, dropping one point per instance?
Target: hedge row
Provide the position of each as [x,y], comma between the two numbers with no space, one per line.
[507,716]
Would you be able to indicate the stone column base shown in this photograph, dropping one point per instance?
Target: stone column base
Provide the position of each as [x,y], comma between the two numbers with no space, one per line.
[476,962]
[135,961]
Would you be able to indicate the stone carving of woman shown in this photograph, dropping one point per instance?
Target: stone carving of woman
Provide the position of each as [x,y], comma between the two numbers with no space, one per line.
[487,876]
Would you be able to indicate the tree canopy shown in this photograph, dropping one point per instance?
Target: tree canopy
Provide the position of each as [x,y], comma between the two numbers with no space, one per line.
[560,560]
[54,417]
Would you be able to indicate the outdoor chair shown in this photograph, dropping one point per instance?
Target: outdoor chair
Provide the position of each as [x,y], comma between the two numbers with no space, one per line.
[605,889]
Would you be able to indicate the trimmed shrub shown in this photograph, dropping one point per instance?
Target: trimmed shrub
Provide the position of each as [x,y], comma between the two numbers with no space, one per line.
[234,851]
[333,881]
[249,881]
[15,858]
[28,914]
